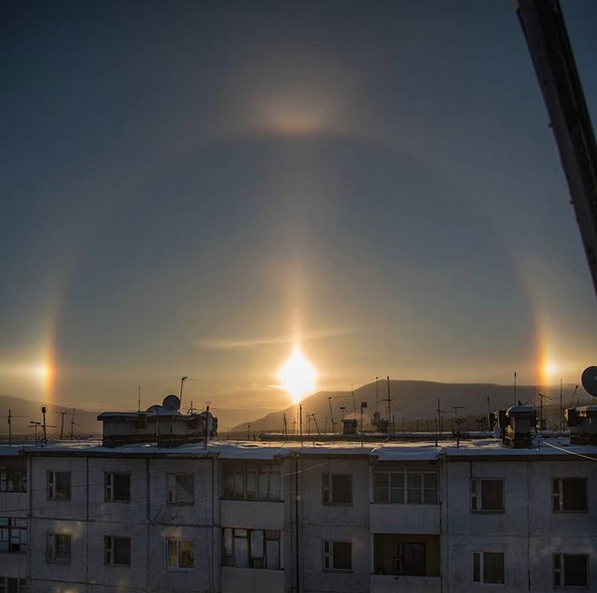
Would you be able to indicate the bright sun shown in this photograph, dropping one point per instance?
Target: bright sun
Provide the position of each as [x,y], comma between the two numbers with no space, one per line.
[297,375]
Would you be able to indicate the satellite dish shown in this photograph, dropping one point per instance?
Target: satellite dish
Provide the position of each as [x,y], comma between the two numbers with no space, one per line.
[156,408]
[589,380]
[377,415]
[171,403]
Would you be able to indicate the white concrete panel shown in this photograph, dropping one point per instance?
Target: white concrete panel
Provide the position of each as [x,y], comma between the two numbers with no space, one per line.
[252,514]
[252,580]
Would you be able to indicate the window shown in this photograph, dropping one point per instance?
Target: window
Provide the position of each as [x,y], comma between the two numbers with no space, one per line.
[409,559]
[337,555]
[251,481]
[58,485]
[251,548]
[570,570]
[13,474]
[13,535]
[405,487]
[13,585]
[117,487]
[488,567]
[117,550]
[181,488]
[337,489]
[180,553]
[58,548]
[569,495]
[487,495]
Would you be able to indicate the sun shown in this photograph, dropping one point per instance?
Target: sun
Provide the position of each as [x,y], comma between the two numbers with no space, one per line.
[297,375]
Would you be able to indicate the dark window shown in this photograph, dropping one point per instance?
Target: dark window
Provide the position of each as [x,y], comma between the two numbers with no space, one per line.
[488,567]
[337,555]
[180,553]
[117,487]
[409,559]
[117,550]
[405,487]
[13,585]
[13,535]
[487,494]
[248,481]
[569,494]
[58,547]
[570,570]
[59,486]
[251,548]
[337,489]
[181,488]
[13,474]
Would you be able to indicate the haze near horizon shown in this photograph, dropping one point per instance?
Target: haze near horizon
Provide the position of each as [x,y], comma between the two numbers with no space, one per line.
[196,188]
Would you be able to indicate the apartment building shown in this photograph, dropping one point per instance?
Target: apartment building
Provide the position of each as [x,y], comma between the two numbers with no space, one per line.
[279,517]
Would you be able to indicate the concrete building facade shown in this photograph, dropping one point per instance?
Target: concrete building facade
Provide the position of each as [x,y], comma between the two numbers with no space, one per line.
[279,518]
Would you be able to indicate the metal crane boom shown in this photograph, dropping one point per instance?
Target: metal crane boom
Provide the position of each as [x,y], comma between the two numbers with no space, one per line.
[545,32]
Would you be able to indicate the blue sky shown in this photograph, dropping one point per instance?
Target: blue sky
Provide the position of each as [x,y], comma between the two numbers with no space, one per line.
[189,185]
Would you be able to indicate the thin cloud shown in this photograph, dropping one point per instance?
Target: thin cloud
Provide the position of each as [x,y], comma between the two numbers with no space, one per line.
[237,343]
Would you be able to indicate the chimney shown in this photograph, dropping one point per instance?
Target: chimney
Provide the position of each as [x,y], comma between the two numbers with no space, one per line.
[520,419]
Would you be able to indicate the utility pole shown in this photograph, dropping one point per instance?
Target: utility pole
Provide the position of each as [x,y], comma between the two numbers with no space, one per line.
[331,413]
[389,403]
[62,415]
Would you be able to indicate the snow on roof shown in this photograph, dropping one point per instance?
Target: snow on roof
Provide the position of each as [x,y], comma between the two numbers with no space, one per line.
[270,450]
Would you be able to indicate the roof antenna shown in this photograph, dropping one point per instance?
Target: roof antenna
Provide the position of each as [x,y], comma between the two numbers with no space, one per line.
[515,400]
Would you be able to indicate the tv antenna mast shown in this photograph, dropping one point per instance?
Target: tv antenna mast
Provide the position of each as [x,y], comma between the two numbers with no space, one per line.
[9,422]
[182,380]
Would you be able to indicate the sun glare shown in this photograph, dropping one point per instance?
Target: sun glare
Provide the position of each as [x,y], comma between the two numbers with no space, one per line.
[297,376]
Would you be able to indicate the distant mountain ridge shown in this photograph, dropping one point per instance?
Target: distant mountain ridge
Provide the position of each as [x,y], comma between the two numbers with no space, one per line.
[409,400]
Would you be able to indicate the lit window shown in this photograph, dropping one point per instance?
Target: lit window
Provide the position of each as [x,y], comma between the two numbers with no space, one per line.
[487,495]
[58,548]
[13,535]
[180,553]
[251,548]
[569,495]
[181,488]
[251,481]
[571,570]
[337,556]
[117,550]
[405,487]
[58,485]
[336,489]
[13,474]
[488,568]
[117,487]
[13,585]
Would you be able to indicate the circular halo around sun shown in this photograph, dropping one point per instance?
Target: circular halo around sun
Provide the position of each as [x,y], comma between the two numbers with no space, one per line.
[297,375]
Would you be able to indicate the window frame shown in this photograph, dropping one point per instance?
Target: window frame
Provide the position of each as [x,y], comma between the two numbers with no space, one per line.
[399,553]
[8,535]
[327,489]
[254,561]
[559,572]
[558,497]
[173,490]
[110,487]
[175,541]
[53,548]
[481,564]
[13,469]
[235,484]
[405,473]
[328,556]
[52,484]
[476,495]
[22,584]
[110,551]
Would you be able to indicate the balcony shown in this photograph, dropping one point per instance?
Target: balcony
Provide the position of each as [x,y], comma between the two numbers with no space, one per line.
[405,584]
[252,580]
[405,518]
[252,514]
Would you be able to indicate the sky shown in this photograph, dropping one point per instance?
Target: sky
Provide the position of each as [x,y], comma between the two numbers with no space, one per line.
[191,188]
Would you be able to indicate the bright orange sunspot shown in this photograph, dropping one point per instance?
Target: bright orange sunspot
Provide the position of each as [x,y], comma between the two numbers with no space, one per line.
[297,375]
